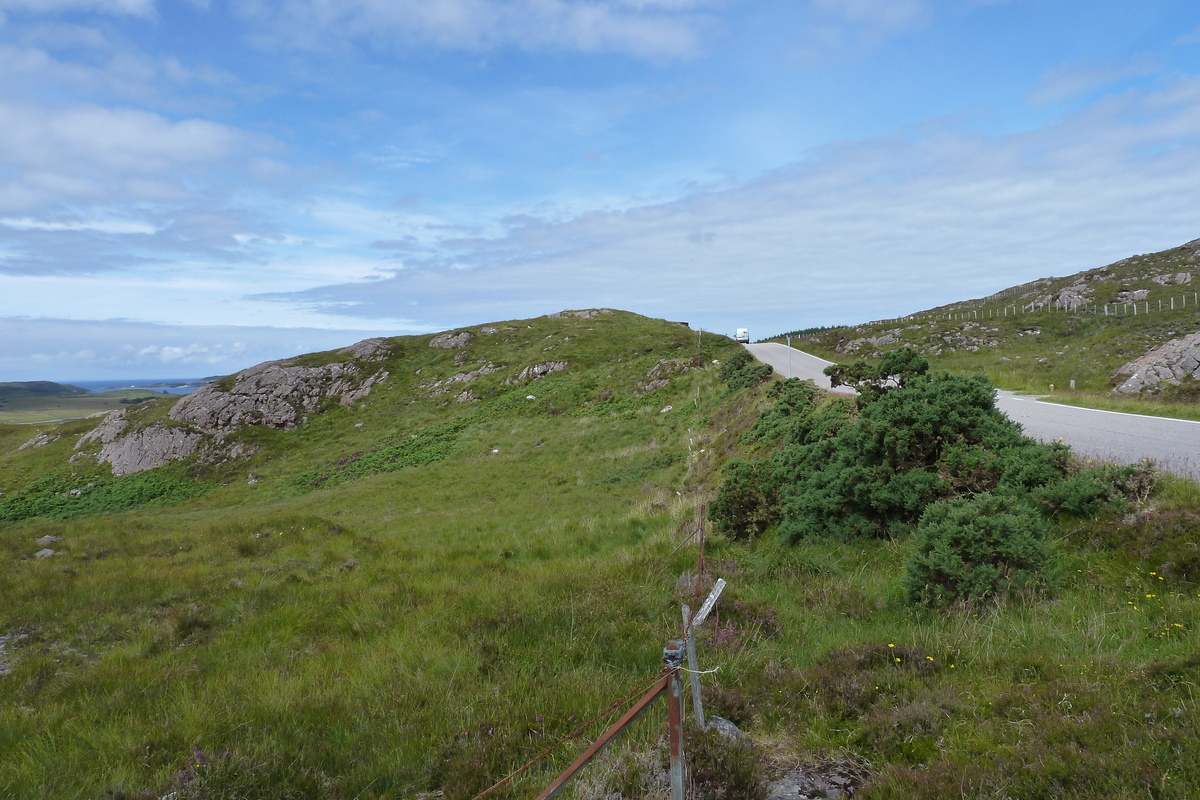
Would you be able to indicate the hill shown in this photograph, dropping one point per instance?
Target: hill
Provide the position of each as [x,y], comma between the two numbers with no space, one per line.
[1083,328]
[409,566]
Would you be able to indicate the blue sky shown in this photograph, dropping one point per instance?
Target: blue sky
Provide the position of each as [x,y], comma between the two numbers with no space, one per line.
[191,187]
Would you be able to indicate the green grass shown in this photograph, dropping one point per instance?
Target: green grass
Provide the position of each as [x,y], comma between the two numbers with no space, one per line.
[437,625]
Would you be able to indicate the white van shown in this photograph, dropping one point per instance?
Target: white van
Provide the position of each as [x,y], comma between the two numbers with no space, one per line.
[743,336]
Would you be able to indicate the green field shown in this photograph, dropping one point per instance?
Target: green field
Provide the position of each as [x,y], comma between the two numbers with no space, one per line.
[29,407]
[304,627]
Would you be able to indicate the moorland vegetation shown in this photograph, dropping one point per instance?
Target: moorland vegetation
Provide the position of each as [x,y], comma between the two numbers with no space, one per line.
[410,594]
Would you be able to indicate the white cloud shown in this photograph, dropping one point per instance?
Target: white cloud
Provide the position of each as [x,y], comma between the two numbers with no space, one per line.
[647,29]
[1071,81]
[859,231]
[139,8]
[101,226]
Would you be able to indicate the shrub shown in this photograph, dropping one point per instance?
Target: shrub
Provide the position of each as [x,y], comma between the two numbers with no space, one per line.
[745,503]
[986,545]
[933,437]
[743,371]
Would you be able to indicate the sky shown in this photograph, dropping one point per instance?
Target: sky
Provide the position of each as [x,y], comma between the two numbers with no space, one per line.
[191,187]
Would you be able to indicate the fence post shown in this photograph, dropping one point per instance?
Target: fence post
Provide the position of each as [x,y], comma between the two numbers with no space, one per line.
[693,668]
[673,659]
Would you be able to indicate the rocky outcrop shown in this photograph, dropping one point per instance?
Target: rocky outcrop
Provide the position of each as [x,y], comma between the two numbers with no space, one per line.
[439,388]
[149,448]
[452,341]
[277,394]
[112,426]
[1176,361]
[590,313]
[537,371]
[41,440]
[1177,279]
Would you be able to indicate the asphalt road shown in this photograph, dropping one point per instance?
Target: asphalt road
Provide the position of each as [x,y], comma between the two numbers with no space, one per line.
[1172,444]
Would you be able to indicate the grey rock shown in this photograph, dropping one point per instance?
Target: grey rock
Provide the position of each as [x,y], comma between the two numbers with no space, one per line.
[590,313]
[45,553]
[113,425]
[276,394]
[41,440]
[369,350]
[149,448]
[538,371]
[47,540]
[1176,361]
[451,341]
[725,728]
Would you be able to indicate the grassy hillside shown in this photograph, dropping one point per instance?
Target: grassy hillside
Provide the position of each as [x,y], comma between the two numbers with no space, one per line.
[317,624]
[1050,331]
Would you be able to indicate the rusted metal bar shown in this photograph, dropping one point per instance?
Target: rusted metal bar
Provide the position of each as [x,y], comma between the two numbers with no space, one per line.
[673,657]
[656,691]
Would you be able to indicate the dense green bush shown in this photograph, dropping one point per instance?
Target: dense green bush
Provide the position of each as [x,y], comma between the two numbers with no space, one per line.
[746,502]
[931,437]
[975,547]
[743,371]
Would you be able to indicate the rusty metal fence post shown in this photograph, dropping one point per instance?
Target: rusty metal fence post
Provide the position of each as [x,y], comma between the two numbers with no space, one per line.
[673,658]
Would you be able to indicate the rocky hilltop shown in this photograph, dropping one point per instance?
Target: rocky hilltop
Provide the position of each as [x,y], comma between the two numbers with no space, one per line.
[276,394]
[1130,325]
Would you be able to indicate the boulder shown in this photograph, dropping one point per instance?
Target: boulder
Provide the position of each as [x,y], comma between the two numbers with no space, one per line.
[537,371]
[276,394]
[1176,361]
[149,448]
[451,341]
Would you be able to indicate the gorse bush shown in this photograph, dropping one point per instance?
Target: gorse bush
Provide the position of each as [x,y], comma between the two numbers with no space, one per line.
[915,448]
[742,371]
[975,547]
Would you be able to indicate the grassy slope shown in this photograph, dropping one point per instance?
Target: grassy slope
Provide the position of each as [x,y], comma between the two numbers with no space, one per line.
[527,574]
[444,623]
[1032,350]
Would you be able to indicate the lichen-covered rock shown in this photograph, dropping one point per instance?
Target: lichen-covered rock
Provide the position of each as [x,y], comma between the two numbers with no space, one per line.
[277,394]
[376,349]
[1177,279]
[41,440]
[113,425]
[451,341]
[149,448]
[589,313]
[1177,360]
[537,371]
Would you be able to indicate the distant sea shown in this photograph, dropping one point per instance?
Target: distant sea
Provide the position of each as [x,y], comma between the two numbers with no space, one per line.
[157,385]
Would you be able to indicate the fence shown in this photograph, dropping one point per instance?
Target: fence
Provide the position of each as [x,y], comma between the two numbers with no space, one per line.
[669,684]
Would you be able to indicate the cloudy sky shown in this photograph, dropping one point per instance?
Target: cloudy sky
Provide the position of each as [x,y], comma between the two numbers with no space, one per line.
[189,187]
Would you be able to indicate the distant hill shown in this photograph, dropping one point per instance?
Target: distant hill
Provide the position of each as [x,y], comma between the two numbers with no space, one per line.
[13,389]
[1082,327]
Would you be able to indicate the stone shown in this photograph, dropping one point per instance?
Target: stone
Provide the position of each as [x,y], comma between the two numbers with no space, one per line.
[149,448]
[725,728]
[451,341]
[41,440]
[275,394]
[45,553]
[538,371]
[1176,361]
[47,540]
